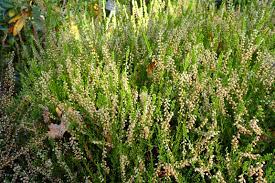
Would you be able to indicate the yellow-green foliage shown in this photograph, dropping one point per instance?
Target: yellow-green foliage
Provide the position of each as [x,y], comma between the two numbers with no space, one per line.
[180,93]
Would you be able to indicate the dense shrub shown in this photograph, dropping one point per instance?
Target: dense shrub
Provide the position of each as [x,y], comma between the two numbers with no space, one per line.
[181,93]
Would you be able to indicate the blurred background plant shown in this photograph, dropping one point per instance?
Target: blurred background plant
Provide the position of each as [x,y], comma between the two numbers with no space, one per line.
[21,23]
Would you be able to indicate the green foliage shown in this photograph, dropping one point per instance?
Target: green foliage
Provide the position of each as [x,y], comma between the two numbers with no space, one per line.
[183,92]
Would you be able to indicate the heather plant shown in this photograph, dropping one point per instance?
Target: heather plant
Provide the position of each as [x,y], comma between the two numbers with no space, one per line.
[19,157]
[183,92]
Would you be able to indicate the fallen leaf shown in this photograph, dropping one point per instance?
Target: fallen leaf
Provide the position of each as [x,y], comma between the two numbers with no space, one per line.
[151,67]
[56,131]
[19,25]
[10,30]
[58,111]
[17,17]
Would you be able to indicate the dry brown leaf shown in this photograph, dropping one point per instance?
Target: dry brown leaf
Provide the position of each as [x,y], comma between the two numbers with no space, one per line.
[56,131]
[10,29]
[17,17]
[151,67]
[19,25]
[58,111]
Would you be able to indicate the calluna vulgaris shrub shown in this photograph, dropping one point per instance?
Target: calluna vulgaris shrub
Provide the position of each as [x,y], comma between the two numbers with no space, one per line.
[183,92]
